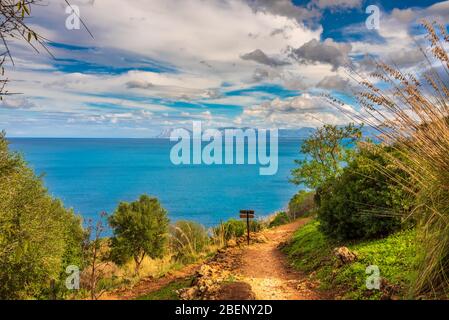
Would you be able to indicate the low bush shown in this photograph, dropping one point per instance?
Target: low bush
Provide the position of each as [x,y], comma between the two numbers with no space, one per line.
[279,219]
[362,202]
[236,228]
[187,240]
[139,229]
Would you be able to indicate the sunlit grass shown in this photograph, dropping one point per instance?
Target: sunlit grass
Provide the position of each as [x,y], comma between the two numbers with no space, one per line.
[395,256]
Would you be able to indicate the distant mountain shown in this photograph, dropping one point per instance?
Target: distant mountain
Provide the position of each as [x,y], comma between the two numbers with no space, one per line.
[301,133]
[283,133]
[165,134]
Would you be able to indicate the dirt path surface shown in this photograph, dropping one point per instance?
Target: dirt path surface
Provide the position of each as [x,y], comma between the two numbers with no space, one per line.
[261,271]
[266,269]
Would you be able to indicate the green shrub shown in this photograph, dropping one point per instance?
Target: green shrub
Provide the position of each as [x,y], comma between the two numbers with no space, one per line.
[234,228]
[301,204]
[140,229]
[325,153]
[187,240]
[39,238]
[280,219]
[362,202]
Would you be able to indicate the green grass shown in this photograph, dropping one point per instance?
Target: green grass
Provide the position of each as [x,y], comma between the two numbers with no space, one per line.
[310,251]
[168,292]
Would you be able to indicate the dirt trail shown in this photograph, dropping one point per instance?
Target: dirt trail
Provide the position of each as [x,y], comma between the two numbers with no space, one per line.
[262,266]
[266,269]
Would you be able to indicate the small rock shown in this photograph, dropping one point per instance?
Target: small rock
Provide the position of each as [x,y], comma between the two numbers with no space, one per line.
[231,243]
[235,291]
[188,293]
[259,239]
[344,255]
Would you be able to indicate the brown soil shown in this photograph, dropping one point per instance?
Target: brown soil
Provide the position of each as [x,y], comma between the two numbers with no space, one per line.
[236,291]
[260,270]
[266,269]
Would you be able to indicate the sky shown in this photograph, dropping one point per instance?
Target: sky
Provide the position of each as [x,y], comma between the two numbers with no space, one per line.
[152,66]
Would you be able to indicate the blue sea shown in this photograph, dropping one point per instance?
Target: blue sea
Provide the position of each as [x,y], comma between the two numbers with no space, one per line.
[94,175]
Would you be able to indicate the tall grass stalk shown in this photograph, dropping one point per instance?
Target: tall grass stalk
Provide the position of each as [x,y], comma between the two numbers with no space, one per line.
[411,113]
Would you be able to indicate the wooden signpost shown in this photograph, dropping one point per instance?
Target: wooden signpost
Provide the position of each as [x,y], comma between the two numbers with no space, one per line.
[247,214]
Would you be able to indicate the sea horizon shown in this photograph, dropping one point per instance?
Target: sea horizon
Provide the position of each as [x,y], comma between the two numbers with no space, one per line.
[93,175]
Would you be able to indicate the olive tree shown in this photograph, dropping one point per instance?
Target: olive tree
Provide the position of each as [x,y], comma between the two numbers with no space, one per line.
[325,152]
[140,229]
[39,238]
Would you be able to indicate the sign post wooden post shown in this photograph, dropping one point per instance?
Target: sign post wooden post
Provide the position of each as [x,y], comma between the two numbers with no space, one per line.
[247,214]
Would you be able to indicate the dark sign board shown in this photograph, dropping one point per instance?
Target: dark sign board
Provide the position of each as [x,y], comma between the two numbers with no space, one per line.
[247,214]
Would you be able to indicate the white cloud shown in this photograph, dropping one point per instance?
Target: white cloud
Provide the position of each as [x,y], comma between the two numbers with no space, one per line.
[337,4]
[302,111]
[199,45]
[204,41]
[177,31]
[327,51]
[11,102]
[397,30]
[334,82]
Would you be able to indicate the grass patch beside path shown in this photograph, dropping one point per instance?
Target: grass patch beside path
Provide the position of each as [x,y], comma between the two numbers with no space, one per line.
[310,251]
[167,292]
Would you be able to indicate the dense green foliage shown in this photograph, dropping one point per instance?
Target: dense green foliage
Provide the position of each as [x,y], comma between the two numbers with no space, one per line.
[39,238]
[325,152]
[301,204]
[360,198]
[311,251]
[280,219]
[355,198]
[187,240]
[140,229]
[362,202]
